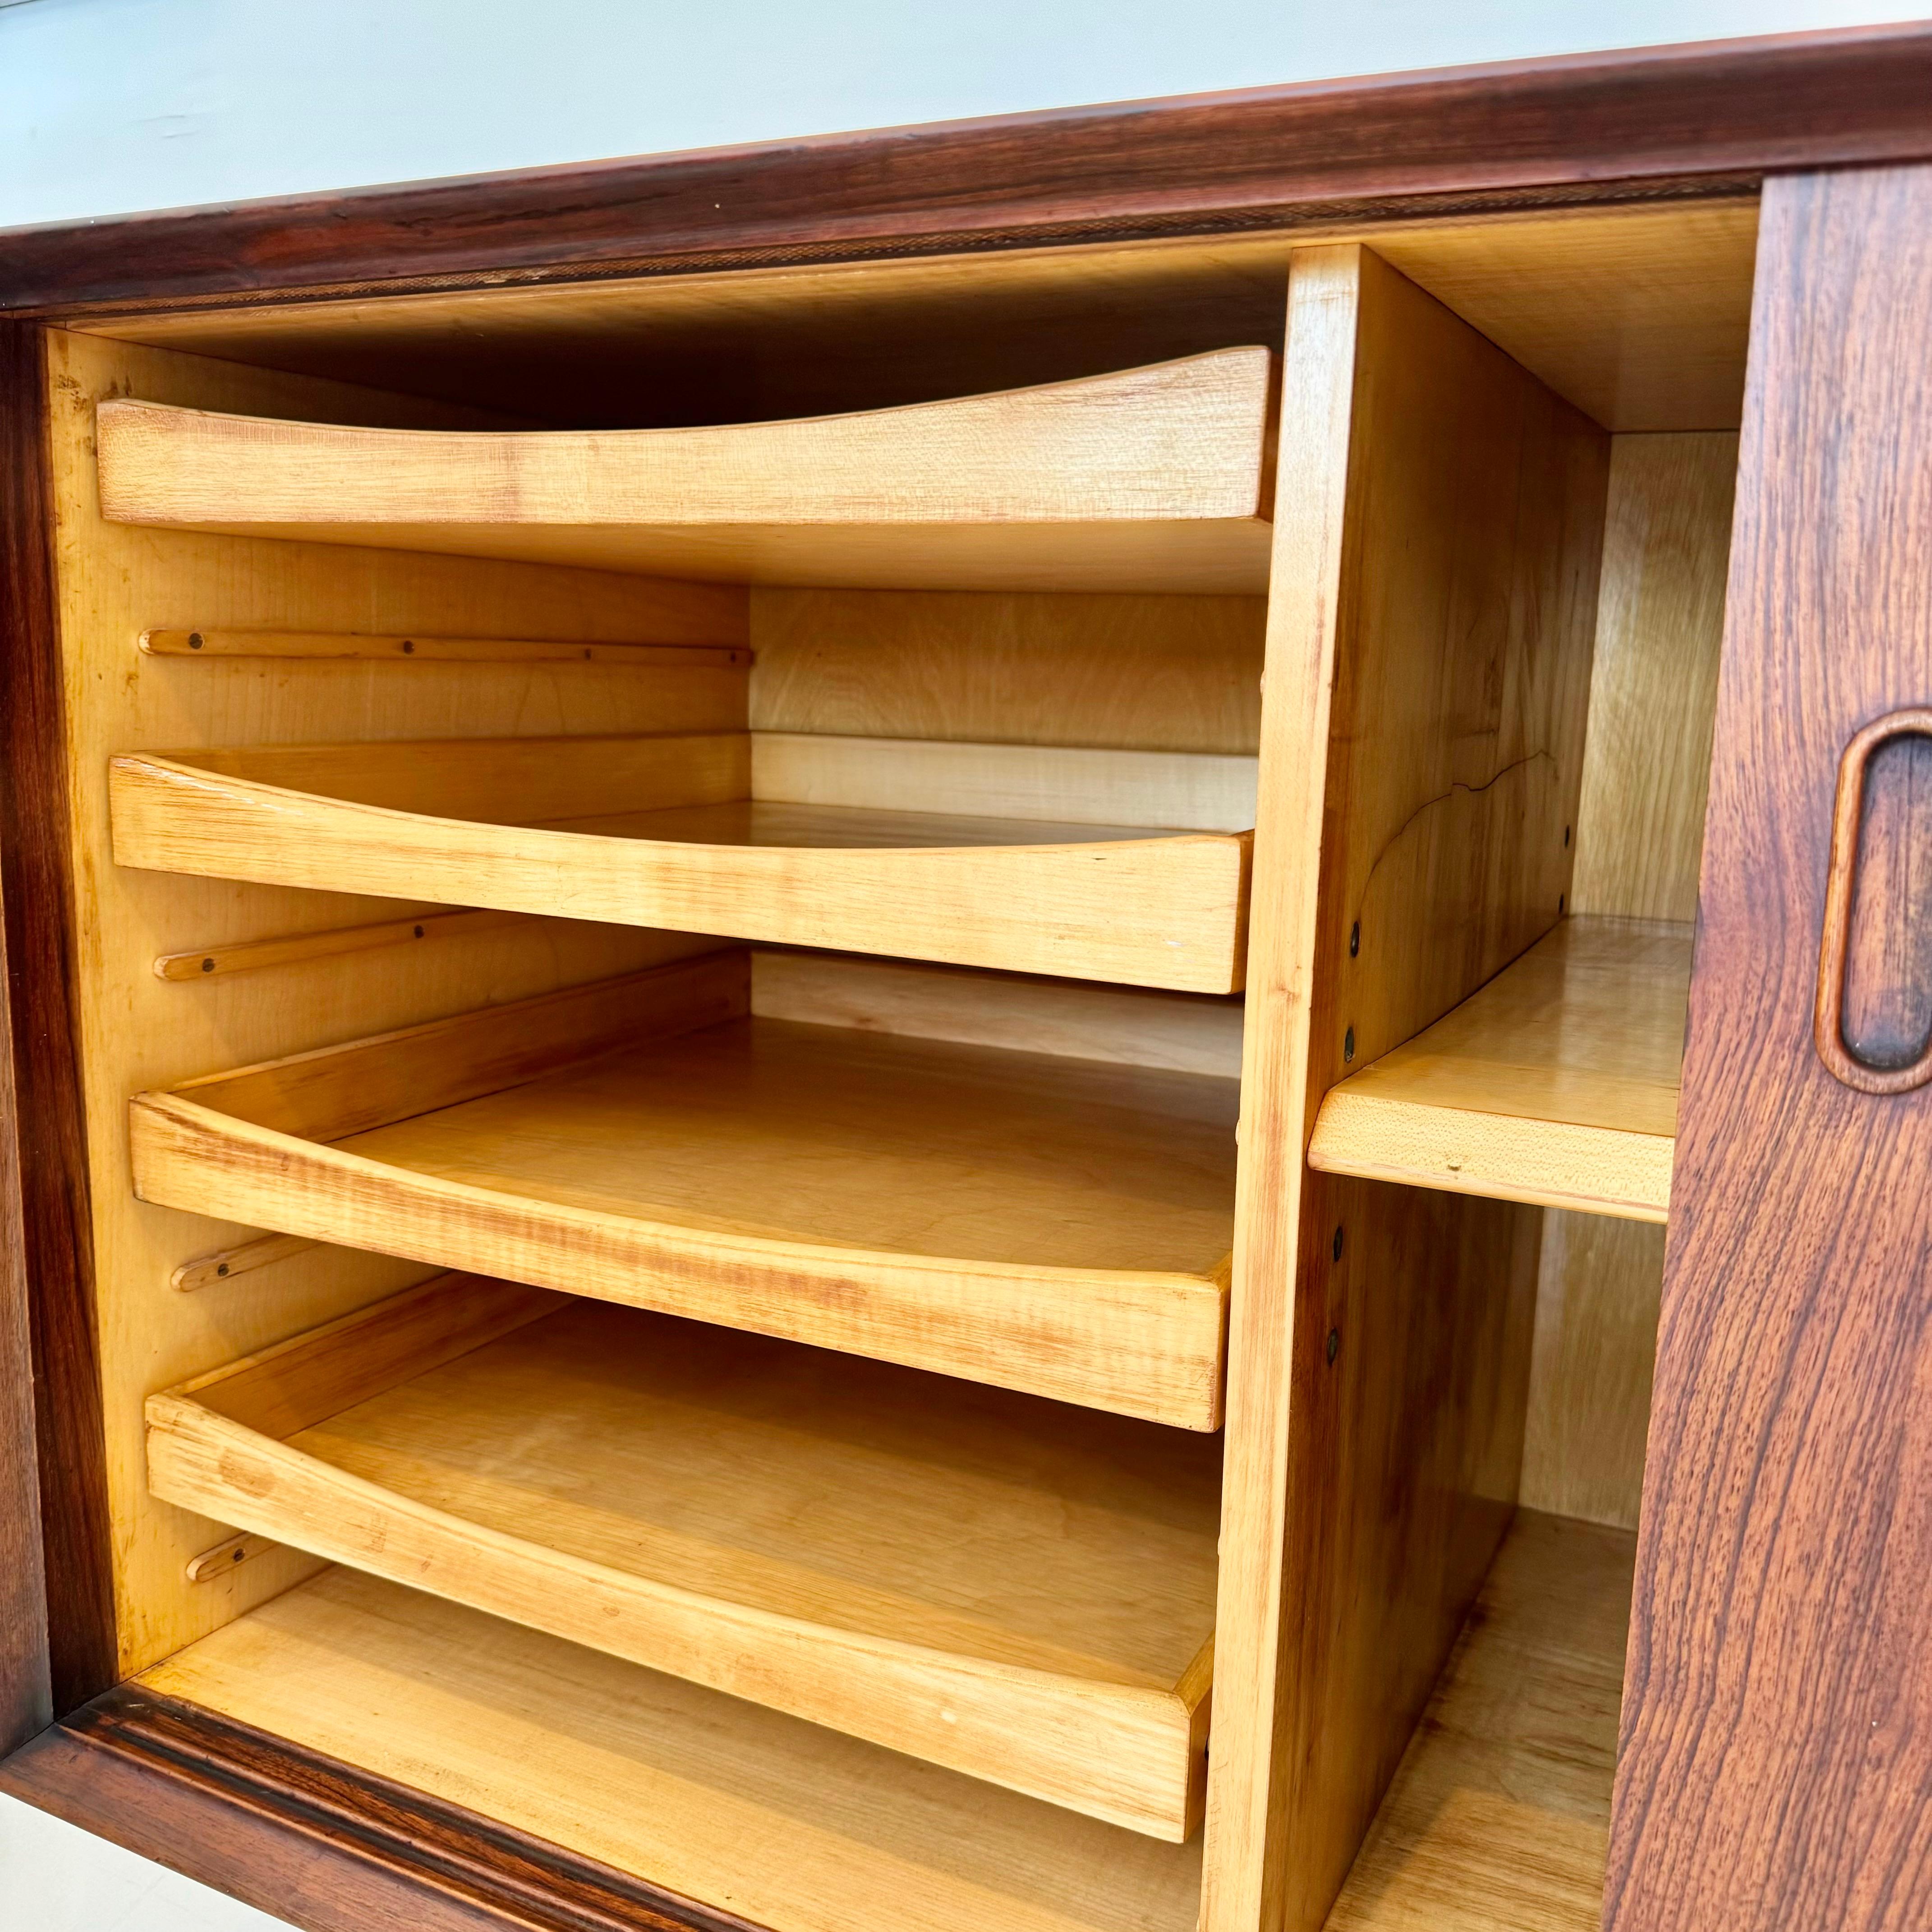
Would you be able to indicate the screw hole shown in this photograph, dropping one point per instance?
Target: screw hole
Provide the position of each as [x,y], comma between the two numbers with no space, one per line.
[1335,1247]
[1562,902]
[1334,1344]
[1354,939]
[1348,1044]
[1566,837]
[419,932]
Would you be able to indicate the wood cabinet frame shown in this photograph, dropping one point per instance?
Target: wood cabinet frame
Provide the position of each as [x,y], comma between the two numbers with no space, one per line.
[329,1845]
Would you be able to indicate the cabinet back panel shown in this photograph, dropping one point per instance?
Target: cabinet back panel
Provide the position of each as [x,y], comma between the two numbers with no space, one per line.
[139,1031]
[1640,837]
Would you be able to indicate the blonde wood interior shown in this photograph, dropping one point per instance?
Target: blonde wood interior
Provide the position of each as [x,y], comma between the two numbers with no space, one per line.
[984,1580]
[1556,1084]
[1498,1820]
[1422,752]
[1047,1222]
[927,850]
[1637,317]
[1155,479]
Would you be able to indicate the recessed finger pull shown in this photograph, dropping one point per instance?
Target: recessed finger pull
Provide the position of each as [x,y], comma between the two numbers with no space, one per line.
[1873,1022]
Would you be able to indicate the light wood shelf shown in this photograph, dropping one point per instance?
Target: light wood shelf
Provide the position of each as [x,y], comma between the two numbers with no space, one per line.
[785,838]
[1556,1084]
[1059,1225]
[985,1580]
[1156,478]
[778,1823]
[1499,1819]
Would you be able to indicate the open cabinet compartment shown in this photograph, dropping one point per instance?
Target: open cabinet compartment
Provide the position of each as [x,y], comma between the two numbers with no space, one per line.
[983,1580]
[1047,1223]
[523,1083]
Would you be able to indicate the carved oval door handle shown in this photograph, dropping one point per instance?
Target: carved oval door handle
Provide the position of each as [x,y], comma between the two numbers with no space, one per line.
[1873,1026]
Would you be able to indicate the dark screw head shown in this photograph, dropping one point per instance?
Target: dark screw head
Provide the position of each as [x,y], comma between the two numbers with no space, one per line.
[222,1269]
[408,647]
[1334,1344]
[208,965]
[237,1557]
[1349,1044]
[419,932]
[1354,939]
[1335,1247]
[195,640]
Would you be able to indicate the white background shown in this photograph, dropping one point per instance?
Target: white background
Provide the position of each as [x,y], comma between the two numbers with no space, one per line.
[111,106]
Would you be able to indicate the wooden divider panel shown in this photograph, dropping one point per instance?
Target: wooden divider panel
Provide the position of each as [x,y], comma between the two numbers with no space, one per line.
[1438,520]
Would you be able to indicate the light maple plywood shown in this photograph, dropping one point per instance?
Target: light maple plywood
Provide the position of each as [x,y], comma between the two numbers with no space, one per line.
[659,832]
[1129,674]
[983,1580]
[1148,479]
[1439,521]
[1597,1298]
[1044,1223]
[138,1030]
[1640,837]
[1637,314]
[1186,1033]
[1498,1820]
[1556,1084]
[1654,687]
[787,1824]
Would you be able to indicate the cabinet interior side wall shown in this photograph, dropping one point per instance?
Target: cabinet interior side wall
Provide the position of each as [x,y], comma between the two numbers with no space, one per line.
[1640,837]
[138,1030]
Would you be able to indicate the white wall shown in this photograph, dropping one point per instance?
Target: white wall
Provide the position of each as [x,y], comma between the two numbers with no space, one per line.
[109,106]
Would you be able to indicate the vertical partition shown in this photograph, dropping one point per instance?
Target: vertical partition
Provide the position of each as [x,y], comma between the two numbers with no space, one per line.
[1439,525]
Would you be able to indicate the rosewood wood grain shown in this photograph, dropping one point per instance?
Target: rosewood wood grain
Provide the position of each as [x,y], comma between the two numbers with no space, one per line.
[26,1695]
[1776,1768]
[315,1841]
[54,1249]
[1669,119]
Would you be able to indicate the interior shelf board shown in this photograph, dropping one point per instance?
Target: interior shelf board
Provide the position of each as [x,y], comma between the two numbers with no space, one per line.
[1555,1084]
[983,1579]
[1154,478]
[788,1825]
[1498,1818]
[1055,1224]
[668,832]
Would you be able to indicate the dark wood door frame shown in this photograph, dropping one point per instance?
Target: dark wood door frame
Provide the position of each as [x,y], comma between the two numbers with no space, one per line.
[1776,1765]
[1691,119]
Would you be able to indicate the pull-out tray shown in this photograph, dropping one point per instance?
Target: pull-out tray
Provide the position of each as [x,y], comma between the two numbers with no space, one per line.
[1555,1084]
[660,831]
[1057,1226]
[987,1581]
[1156,478]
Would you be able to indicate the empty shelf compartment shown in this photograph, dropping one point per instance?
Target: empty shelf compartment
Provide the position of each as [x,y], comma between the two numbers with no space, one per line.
[1156,478]
[985,1580]
[772,836]
[1058,1226]
[1556,1083]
